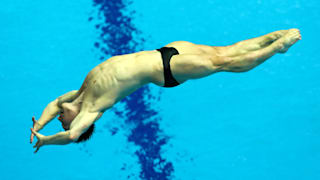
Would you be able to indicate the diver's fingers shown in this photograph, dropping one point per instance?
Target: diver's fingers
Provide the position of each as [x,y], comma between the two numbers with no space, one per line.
[31,138]
[34,124]
[37,145]
[34,132]
[37,150]
[34,120]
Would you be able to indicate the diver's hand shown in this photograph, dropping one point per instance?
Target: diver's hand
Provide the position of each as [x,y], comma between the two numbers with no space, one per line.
[36,127]
[40,141]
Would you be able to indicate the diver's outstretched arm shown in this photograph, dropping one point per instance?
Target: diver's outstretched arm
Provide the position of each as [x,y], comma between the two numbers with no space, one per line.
[59,138]
[51,111]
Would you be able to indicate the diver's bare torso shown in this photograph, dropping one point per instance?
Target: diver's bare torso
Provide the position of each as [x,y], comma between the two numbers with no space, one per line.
[121,75]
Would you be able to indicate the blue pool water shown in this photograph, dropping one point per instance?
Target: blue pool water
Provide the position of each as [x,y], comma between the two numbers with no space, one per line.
[263,124]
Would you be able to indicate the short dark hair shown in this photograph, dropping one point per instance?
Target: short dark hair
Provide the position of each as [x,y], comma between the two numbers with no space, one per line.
[86,135]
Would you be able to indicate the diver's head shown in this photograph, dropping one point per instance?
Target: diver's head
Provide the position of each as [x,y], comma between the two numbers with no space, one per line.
[67,115]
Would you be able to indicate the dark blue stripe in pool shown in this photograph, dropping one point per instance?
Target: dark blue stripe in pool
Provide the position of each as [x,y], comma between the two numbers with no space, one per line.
[119,36]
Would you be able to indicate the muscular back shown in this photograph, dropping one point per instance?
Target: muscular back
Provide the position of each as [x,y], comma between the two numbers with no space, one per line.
[118,77]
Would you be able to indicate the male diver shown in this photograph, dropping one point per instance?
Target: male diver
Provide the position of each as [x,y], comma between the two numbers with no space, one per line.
[173,64]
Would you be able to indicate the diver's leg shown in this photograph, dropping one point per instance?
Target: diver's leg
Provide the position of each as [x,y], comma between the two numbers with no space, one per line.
[254,44]
[247,61]
[194,66]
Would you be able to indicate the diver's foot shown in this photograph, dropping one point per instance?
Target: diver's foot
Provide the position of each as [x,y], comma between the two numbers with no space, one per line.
[278,34]
[270,38]
[290,38]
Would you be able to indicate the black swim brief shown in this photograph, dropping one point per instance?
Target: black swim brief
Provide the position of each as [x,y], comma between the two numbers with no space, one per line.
[167,53]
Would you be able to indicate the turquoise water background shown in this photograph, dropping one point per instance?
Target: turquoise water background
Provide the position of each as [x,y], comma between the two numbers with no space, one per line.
[262,124]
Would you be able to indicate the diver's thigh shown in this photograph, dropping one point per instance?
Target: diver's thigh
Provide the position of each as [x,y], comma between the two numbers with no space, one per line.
[191,66]
[185,47]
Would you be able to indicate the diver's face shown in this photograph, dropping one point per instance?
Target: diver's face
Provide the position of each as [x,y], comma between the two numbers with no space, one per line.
[68,113]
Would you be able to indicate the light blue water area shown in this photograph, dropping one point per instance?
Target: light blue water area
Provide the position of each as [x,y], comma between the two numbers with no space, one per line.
[262,124]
